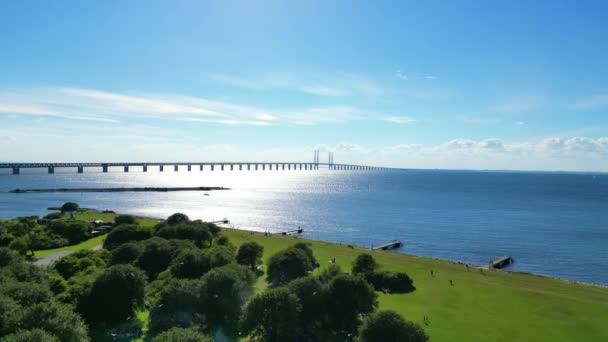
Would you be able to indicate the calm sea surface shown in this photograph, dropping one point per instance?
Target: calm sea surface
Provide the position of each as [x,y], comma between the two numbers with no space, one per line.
[554,224]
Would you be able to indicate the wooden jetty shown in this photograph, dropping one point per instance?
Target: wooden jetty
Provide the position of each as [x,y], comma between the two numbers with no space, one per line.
[501,262]
[390,245]
[291,232]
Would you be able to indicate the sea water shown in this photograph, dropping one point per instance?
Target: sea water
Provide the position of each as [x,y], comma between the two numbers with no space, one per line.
[554,224]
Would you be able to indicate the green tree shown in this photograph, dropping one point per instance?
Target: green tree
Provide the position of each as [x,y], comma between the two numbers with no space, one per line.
[287,265]
[182,335]
[364,263]
[126,233]
[126,253]
[74,231]
[9,314]
[196,232]
[7,257]
[25,293]
[177,305]
[156,256]
[191,264]
[125,219]
[176,219]
[56,319]
[115,294]
[312,295]
[272,316]
[223,292]
[69,207]
[348,297]
[79,261]
[389,326]
[34,335]
[21,245]
[250,254]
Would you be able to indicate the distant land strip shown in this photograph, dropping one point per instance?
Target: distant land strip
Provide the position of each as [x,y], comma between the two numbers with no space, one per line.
[127,189]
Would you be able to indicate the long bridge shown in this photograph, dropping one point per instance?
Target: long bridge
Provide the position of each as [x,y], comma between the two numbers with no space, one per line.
[212,166]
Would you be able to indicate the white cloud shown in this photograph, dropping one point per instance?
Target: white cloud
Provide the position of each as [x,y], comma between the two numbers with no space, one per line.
[519,123]
[430,77]
[399,120]
[325,91]
[103,106]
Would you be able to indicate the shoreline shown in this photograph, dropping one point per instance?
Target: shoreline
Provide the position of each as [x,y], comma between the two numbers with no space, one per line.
[454,262]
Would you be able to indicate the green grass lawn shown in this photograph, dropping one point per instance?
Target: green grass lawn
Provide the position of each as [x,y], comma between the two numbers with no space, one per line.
[489,306]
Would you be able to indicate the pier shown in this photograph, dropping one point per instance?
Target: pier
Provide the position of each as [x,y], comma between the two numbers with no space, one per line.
[274,166]
[390,245]
[501,262]
[291,232]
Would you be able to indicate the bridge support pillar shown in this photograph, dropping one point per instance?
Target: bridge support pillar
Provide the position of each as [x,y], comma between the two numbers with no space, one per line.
[201,167]
[231,167]
[300,166]
[212,167]
[104,168]
[248,167]
[270,165]
[145,168]
[222,167]
[263,166]
[240,167]
[51,169]
[189,167]
[175,168]
[283,166]
[16,171]
[256,167]
[126,168]
[161,168]
[80,169]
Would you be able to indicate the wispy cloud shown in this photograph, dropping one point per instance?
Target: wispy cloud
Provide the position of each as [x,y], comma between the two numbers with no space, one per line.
[592,102]
[335,85]
[325,91]
[430,77]
[112,107]
[520,123]
[399,119]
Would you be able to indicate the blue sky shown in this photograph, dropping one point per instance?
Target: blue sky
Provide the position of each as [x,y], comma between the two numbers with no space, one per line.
[464,84]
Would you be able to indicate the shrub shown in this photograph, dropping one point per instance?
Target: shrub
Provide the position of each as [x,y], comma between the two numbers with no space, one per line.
[126,253]
[389,326]
[363,264]
[126,233]
[182,335]
[392,281]
[125,219]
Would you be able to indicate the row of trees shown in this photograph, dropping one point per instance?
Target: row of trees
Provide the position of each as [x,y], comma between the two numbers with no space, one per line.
[25,235]
[198,287]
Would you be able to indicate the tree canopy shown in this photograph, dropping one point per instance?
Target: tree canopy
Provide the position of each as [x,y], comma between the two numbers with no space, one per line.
[289,264]
[389,326]
[250,254]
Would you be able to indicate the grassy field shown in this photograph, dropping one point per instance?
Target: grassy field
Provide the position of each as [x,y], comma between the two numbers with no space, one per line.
[488,305]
